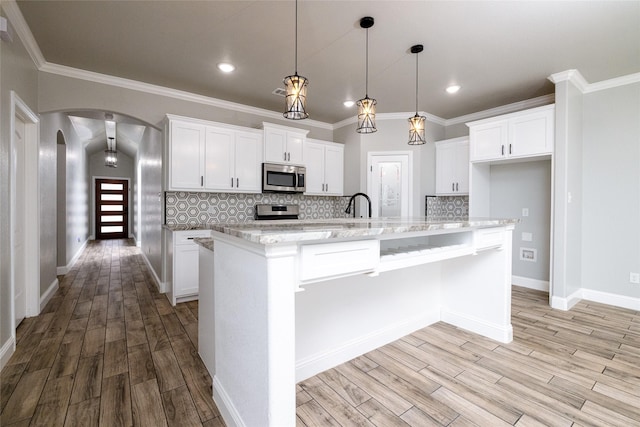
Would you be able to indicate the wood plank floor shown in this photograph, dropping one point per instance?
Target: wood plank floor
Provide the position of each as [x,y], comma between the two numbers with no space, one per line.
[109,350]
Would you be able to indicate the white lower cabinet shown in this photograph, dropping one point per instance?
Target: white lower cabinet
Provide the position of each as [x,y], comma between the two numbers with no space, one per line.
[185,278]
[325,168]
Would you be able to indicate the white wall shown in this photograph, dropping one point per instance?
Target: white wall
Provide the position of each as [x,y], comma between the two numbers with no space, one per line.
[17,73]
[611,190]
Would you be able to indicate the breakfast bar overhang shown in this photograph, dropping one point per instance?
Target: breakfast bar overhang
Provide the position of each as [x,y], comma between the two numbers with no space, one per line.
[294,298]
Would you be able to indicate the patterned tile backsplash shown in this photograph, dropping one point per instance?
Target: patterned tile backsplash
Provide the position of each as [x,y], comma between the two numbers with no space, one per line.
[447,207]
[198,208]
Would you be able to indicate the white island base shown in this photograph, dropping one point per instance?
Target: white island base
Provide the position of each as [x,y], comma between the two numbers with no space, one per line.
[288,306]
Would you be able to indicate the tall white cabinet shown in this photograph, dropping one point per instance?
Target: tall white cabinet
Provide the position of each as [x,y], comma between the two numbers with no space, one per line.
[452,167]
[209,156]
[325,168]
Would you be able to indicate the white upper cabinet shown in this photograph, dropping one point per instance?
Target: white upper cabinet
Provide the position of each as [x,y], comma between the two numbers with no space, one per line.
[522,134]
[209,156]
[452,166]
[283,144]
[325,168]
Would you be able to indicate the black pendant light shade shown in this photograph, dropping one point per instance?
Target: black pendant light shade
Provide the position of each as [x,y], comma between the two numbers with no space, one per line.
[416,123]
[366,106]
[296,88]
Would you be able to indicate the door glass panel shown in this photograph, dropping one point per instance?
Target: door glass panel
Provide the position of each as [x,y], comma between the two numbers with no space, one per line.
[390,189]
[111,197]
[110,186]
[112,218]
[111,229]
[111,208]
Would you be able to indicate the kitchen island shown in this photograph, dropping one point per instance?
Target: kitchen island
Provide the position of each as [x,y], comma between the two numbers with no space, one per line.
[294,298]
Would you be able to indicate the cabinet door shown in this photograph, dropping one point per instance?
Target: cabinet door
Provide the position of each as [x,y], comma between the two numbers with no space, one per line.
[445,168]
[462,168]
[532,134]
[248,161]
[218,159]
[275,145]
[185,270]
[295,147]
[488,141]
[333,170]
[315,168]
[187,144]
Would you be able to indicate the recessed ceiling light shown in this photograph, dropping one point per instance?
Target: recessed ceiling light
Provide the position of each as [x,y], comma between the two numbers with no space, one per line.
[225,67]
[453,88]
[349,103]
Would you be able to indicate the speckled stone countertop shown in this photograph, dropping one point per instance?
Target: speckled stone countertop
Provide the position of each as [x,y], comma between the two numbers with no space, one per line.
[205,242]
[273,232]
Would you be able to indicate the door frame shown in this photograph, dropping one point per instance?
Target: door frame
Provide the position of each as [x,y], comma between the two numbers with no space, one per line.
[92,213]
[32,207]
[409,155]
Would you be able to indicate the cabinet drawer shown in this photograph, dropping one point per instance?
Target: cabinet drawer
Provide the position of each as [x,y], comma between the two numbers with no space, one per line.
[489,238]
[324,261]
[186,237]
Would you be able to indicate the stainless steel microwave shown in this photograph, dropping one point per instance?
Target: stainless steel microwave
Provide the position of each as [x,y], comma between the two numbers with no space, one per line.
[283,178]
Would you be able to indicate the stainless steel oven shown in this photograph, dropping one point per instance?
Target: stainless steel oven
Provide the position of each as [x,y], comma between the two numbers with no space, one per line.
[283,178]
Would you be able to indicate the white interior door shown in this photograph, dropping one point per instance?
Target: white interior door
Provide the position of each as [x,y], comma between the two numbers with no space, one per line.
[388,184]
[19,278]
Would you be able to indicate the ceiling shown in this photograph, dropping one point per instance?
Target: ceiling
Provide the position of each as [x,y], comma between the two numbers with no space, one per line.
[499,52]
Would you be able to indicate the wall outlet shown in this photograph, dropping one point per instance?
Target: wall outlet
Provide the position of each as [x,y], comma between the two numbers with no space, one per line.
[528,254]
[634,278]
[525,211]
[527,237]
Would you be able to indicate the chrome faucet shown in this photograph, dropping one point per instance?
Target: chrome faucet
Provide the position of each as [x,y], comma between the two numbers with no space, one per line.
[352,202]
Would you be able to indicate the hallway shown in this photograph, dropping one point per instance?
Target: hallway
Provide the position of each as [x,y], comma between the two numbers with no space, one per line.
[108,350]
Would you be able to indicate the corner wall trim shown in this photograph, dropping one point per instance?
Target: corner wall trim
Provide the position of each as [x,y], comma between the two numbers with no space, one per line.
[159,284]
[61,271]
[526,282]
[615,300]
[48,294]
[7,350]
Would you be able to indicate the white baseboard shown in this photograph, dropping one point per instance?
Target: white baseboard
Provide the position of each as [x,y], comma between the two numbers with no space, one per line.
[314,364]
[159,283]
[61,271]
[482,327]
[526,282]
[615,300]
[48,294]
[229,413]
[7,350]
[91,237]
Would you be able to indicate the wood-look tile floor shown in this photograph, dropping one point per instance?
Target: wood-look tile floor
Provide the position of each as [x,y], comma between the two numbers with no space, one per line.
[109,350]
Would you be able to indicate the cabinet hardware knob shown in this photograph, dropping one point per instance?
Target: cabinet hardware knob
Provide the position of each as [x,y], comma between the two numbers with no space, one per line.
[285,156]
[456,186]
[288,157]
[509,148]
[503,149]
[201,181]
[326,187]
[237,182]
[231,182]
[453,186]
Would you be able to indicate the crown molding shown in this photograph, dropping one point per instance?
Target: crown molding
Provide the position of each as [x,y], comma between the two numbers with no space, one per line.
[504,109]
[572,76]
[576,78]
[23,31]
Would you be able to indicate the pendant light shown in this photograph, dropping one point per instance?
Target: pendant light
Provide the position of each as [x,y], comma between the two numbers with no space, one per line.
[296,88]
[416,123]
[366,106]
[110,154]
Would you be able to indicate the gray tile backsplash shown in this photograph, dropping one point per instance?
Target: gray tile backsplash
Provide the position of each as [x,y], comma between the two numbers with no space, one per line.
[447,207]
[197,208]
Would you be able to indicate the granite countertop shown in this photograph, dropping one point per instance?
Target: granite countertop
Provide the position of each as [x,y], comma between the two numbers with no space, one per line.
[205,242]
[273,232]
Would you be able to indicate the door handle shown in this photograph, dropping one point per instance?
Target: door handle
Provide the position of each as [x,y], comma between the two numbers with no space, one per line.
[503,149]
[231,182]
[285,156]
[453,186]
[457,186]
[288,157]
[237,182]
[509,148]
[201,181]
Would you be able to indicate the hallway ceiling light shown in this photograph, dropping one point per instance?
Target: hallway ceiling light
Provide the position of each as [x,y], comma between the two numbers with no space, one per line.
[349,104]
[226,67]
[296,88]
[453,89]
[110,154]
[416,123]
[366,106]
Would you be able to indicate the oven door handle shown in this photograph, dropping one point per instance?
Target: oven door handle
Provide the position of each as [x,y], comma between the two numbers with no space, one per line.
[295,184]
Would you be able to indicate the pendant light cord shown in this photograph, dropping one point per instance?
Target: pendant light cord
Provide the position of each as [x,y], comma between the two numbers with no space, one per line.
[296,39]
[366,74]
[417,84]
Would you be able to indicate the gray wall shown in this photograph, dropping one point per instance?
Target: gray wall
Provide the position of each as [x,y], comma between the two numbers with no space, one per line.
[525,185]
[392,135]
[611,190]
[17,73]
[97,168]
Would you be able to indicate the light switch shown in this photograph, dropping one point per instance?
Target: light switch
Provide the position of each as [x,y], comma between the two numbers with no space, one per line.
[527,237]
[525,211]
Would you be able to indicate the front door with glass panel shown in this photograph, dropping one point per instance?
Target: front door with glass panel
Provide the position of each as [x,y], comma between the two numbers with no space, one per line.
[112,219]
[388,185]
